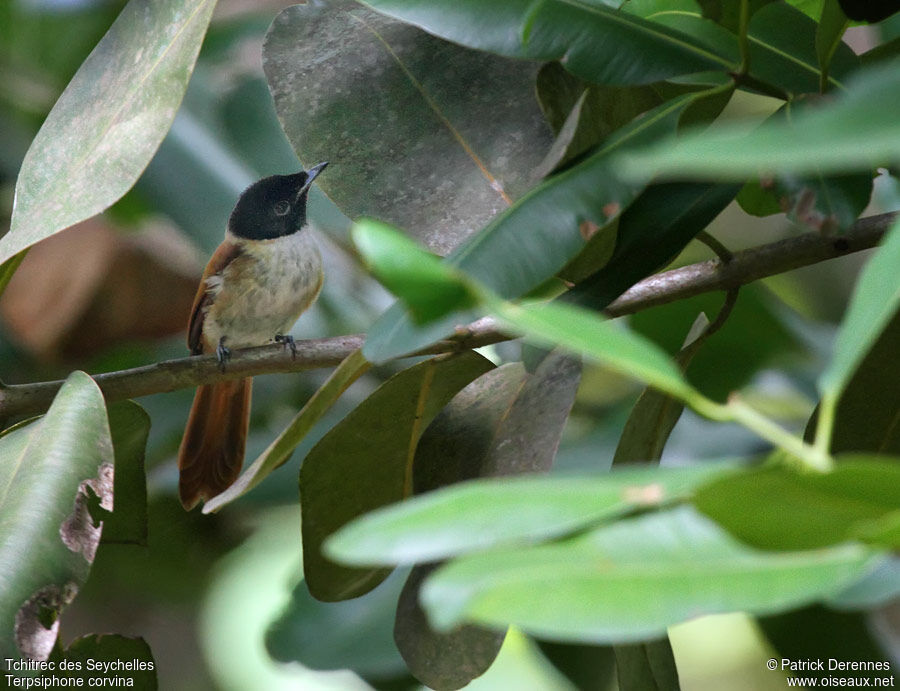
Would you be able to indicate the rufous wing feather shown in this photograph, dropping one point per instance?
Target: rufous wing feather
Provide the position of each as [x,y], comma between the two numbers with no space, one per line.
[212,450]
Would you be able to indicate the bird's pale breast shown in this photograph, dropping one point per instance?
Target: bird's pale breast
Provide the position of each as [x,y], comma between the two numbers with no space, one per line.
[263,291]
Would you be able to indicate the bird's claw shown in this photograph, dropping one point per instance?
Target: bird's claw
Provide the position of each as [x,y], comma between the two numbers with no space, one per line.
[288,342]
[223,354]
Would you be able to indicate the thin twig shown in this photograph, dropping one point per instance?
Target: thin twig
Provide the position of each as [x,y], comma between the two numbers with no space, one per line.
[747,266]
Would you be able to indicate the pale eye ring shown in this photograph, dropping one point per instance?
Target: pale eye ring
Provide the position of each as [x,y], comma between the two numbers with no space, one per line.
[282,208]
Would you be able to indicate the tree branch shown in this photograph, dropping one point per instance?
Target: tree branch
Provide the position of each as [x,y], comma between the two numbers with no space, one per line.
[745,267]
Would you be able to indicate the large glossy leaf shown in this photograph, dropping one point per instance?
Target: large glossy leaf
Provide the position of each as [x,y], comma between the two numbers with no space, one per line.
[875,301]
[650,665]
[854,132]
[426,134]
[365,462]
[655,414]
[443,661]
[506,422]
[828,34]
[537,237]
[53,470]
[867,417]
[658,225]
[549,324]
[109,121]
[482,514]
[632,579]
[594,42]
[352,635]
[281,448]
[781,43]
[780,508]
[729,360]
[130,427]
[783,51]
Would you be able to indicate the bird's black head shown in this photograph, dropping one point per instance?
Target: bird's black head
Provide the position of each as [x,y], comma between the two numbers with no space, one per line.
[273,207]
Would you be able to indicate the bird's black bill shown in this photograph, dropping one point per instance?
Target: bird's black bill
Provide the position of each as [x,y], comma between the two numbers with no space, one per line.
[311,175]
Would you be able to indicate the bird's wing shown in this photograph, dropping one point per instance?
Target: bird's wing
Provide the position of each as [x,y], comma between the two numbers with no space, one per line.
[222,257]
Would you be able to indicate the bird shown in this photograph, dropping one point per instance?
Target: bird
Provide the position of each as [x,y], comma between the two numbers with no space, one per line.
[262,277]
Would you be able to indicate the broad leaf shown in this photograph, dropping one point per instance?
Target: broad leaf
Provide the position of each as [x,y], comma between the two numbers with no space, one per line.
[130,427]
[281,448]
[867,417]
[365,461]
[875,301]
[427,135]
[855,132]
[828,34]
[54,470]
[632,579]
[650,665]
[442,661]
[780,508]
[109,121]
[352,635]
[598,43]
[506,422]
[650,234]
[655,414]
[536,238]
[483,514]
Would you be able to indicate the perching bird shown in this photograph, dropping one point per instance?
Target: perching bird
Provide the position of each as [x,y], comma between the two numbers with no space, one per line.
[262,277]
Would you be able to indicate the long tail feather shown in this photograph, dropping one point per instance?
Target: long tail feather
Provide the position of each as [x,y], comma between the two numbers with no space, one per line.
[212,450]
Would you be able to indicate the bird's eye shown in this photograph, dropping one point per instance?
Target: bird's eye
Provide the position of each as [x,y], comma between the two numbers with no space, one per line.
[282,208]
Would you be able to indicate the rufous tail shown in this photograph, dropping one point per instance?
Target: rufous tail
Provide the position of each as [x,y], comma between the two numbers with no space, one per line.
[212,450]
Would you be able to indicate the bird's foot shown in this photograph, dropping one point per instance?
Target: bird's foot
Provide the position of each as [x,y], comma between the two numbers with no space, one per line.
[288,342]
[223,354]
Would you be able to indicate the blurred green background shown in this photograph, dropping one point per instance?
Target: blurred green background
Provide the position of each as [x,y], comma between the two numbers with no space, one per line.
[220,598]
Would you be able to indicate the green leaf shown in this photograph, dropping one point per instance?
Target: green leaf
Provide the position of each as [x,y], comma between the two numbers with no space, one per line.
[582,114]
[54,469]
[729,360]
[632,579]
[868,412]
[89,653]
[109,121]
[781,46]
[875,300]
[582,331]
[831,28]
[427,135]
[352,635]
[483,514]
[447,660]
[533,240]
[826,634]
[648,665]
[783,509]
[506,422]
[429,288]
[727,12]
[824,204]
[8,268]
[129,425]
[281,448]
[655,414]
[650,234]
[365,461]
[783,51]
[855,132]
[599,44]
